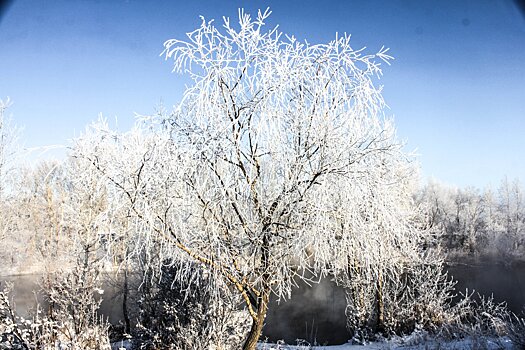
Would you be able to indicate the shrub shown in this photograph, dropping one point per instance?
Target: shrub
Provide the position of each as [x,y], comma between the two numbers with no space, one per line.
[181,314]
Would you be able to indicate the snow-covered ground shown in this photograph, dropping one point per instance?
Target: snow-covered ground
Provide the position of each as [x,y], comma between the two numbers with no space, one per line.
[406,343]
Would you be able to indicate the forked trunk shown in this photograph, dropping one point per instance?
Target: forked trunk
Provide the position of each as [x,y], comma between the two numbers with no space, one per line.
[257,324]
[264,297]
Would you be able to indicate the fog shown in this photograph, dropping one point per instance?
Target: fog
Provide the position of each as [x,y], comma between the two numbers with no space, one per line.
[314,313]
[505,283]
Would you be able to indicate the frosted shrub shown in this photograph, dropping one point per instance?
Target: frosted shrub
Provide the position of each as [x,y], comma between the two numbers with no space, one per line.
[477,316]
[74,301]
[63,208]
[43,331]
[178,314]
[398,301]
[517,331]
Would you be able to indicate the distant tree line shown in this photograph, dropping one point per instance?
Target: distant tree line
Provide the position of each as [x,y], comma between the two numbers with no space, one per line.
[487,223]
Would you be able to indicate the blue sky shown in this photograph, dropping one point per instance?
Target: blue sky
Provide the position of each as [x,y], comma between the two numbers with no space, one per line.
[456,87]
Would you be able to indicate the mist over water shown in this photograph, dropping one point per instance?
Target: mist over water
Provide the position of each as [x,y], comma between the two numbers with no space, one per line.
[505,283]
[26,296]
[317,313]
[25,292]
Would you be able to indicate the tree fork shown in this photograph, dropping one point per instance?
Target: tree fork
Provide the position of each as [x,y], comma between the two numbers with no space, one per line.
[263,299]
[258,322]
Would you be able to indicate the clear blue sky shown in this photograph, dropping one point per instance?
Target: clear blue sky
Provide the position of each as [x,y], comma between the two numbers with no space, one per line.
[456,87]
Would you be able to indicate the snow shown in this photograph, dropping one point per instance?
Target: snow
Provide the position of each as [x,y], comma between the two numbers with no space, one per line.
[122,345]
[407,343]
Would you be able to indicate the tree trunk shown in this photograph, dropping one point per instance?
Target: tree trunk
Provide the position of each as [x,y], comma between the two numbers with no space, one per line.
[127,322]
[264,297]
[380,324]
[258,323]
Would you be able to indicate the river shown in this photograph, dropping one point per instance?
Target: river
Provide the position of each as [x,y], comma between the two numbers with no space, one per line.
[318,313]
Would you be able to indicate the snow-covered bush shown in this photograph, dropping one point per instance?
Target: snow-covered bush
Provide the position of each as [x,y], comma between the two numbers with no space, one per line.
[73,299]
[516,331]
[43,330]
[60,205]
[475,315]
[177,314]
[397,300]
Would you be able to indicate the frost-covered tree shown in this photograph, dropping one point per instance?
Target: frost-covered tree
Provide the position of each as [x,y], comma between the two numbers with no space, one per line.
[394,279]
[435,200]
[512,217]
[277,156]
[8,138]
[58,219]
[469,214]
[477,223]
[5,141]
[73,288]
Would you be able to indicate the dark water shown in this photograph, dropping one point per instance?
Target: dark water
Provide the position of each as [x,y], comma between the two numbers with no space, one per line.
[26,296]
[25,292]
[505,283]
[322,307]
[317,314]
